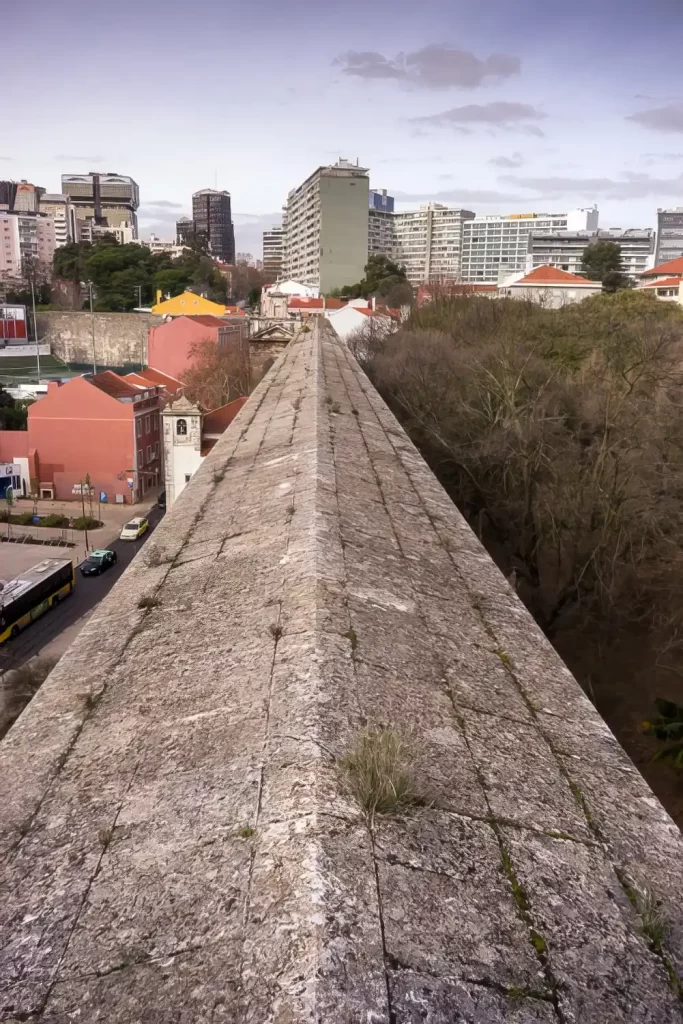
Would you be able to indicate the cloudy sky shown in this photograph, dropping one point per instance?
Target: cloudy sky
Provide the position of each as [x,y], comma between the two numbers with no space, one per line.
[510,106]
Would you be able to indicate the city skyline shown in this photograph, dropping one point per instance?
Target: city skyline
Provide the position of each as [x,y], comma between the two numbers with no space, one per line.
[510,113]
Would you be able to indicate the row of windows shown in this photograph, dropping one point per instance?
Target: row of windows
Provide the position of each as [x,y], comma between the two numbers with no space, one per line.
[152,453]
[144,424]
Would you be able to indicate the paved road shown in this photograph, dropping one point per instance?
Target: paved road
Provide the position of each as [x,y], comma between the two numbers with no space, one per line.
[88,592]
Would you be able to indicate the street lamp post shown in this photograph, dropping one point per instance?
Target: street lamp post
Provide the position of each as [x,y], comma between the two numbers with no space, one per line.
[92,329]
[35,325]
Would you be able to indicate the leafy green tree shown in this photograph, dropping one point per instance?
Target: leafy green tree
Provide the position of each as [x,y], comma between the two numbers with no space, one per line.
[118,272]
[382,275]
[69,260]
[602,262]
[12,413]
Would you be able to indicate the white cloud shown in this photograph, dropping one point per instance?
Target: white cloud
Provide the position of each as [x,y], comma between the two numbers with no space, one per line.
[501,114]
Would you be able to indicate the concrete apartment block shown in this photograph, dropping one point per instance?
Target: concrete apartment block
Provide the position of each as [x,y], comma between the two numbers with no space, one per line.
[490,243]
[565,249]
[669,234]
[326,227]
[428,242]
[180,837]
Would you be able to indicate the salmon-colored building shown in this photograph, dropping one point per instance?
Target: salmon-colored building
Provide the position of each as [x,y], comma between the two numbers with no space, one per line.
[101,426]
[169,344]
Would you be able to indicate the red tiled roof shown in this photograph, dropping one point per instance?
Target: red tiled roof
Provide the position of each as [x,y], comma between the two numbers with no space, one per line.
[667,282]
[113,385]
[552,275]
[671,267]
[206,320]
[135,378]
[218,419]
[306,302]
[378,311]
[152,376]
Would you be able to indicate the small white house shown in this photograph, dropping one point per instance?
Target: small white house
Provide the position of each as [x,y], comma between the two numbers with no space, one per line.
[275,297]
[547,286]
[665,281]
[352,318]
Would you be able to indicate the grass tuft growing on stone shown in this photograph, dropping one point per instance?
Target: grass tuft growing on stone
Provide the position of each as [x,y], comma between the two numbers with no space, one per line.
[652,920]
[218,475]
[156,556]
[149,601]
[275,630]
[378,772]
[352,637]
[246,832]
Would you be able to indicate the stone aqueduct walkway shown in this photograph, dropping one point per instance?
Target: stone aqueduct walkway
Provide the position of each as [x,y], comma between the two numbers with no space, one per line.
[177,843]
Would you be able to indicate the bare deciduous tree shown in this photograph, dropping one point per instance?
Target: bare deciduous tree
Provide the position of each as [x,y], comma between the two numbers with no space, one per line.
[562,440]
[218,373]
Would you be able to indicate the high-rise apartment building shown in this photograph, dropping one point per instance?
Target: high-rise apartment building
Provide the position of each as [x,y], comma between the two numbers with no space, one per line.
[106,199]
[381,200]
[8,190]
[212,217]
[565,249]
[380,223]
[273,252]
[669,235]
[27,197]
[10,254]
[326,227]
[428,242]
[63,212]
[26,240]
[495,244]
[184,231]
[20,196]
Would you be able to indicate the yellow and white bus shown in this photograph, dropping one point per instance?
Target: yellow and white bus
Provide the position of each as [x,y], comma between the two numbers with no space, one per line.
[32,593]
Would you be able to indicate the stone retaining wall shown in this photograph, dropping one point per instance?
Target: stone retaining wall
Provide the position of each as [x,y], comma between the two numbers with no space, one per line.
[120,338]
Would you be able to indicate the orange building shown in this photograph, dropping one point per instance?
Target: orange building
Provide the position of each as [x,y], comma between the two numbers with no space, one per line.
[169,345]
[101,426]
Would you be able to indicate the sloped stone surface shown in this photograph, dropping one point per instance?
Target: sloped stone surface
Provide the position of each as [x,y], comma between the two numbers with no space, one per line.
[178,841]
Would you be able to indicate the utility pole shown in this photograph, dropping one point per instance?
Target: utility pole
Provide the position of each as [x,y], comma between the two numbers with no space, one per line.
[138,288]
[92,328]
[85,528]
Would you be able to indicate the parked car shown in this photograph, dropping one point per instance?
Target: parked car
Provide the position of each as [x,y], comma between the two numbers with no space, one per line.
[97,562]
[161,500]
[134,529]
